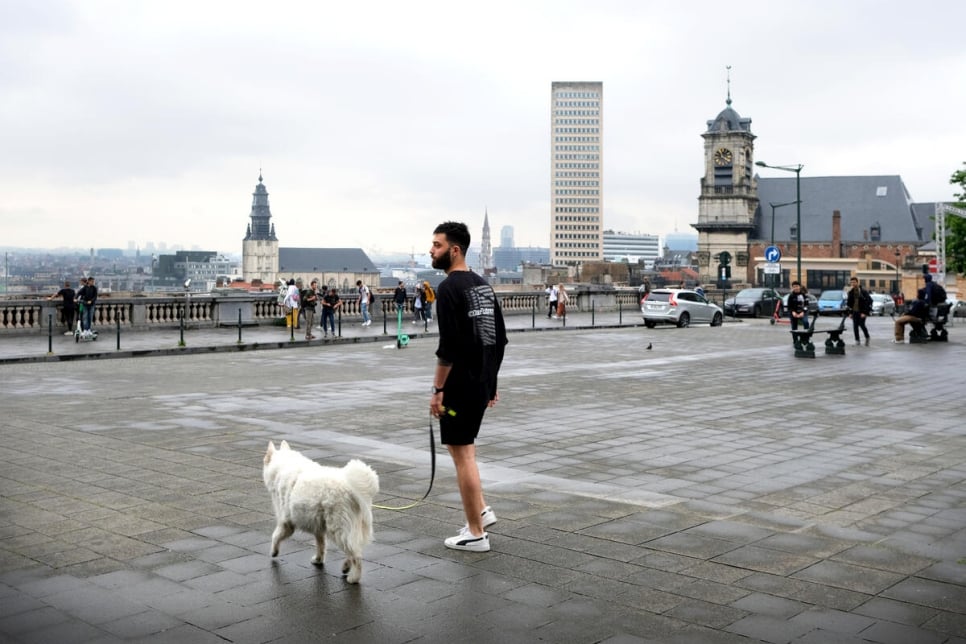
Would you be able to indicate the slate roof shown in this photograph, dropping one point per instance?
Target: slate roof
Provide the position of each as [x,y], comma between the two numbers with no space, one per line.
[325,260]
[863,202]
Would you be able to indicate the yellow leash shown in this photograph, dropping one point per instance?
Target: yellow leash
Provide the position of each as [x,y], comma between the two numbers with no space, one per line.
[432,475]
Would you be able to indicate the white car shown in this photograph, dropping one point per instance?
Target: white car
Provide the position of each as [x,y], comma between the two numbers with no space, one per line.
[883,304]
[681,307]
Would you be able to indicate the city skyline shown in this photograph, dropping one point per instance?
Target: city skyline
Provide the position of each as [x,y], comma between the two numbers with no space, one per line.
[128,122]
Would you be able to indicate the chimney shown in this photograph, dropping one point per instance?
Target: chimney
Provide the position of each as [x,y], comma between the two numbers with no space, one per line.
[836,234]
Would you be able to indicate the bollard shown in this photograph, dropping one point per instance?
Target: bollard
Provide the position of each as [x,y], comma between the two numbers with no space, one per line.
[593,310]
[50,334]
[117,322]
[620,313]
[340,323]
[239,326]
[181,341]
[533,316]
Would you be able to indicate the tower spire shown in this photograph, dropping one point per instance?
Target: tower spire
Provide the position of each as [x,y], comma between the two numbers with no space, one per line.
[728,101]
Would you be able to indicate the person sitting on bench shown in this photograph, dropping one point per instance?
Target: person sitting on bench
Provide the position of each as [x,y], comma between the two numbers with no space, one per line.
[917,314]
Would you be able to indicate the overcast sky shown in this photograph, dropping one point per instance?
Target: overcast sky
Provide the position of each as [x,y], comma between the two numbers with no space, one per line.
[149,120]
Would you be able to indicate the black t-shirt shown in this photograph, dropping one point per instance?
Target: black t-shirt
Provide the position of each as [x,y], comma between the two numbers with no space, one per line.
[69,295]
[472,335]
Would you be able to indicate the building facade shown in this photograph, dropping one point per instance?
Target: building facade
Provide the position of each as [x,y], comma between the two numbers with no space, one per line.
[625,247]
[576,187]
[260,246]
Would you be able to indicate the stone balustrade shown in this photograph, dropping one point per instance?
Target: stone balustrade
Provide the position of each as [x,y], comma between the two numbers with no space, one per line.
[142,313]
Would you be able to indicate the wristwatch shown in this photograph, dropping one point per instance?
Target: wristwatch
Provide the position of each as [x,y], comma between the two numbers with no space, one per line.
[437,390]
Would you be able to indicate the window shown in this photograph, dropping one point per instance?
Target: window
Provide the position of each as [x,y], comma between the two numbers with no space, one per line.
[881,191]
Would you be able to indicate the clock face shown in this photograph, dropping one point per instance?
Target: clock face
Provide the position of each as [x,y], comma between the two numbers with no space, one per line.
[723,156]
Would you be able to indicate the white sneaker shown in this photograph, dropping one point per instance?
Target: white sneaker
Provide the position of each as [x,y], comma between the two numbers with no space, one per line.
[488,517]
[68,333]
[468,541]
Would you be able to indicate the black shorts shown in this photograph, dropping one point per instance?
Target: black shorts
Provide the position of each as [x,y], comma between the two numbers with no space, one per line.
[460,423]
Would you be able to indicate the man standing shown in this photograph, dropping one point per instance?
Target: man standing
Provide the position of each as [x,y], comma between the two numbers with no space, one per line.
[364,302]
[330,304]
[88,298]
[797,306]
[399,296]
[309,298]
[68,294]
[472,337]
[859,304]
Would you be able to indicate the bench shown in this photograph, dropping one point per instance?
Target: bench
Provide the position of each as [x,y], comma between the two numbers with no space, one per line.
[834,344]
[938,317]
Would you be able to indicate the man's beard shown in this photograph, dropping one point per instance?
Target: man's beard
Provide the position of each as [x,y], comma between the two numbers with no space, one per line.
[442,262]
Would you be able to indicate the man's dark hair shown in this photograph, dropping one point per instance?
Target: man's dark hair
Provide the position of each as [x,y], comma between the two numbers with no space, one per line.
[796,282]
[456,233]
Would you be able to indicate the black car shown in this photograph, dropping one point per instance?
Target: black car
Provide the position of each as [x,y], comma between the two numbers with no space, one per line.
[753,301]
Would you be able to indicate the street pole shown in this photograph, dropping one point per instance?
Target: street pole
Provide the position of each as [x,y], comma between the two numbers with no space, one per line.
[797,169]
[775,206]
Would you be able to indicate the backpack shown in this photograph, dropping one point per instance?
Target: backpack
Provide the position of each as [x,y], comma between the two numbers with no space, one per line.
[372,297]
[430,295]
[938,294]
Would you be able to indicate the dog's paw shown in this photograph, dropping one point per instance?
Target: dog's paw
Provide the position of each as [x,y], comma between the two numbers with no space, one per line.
[354,575]
[318,561]
[346,566]
[273,552]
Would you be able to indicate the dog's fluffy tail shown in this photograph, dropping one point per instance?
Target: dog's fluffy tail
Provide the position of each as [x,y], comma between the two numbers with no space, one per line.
[362,478]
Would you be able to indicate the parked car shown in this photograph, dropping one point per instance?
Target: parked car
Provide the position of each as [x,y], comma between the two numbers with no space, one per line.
[883,304]
[681,307]
[753,301]
[832,302]
[957,308]
[811,304]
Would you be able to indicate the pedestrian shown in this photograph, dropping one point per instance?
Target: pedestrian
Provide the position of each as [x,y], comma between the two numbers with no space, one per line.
[859,305]
[330,304]
[430,297]
[309,299]
[68,307]
[472,338]
[551,300]
[399,297]
[87,297]
[418,304]
[562,301]
[797,306]
[292,304]
[364,302]
[916,314]
[282,289]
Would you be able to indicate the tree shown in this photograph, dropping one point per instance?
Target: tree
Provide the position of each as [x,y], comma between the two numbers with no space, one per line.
[956,227]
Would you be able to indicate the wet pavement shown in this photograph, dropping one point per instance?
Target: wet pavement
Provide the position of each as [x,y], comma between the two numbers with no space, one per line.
[713,488]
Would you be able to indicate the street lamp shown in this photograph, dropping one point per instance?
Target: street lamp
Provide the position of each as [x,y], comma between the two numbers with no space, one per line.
[898,255]
[773,207]
[797,169]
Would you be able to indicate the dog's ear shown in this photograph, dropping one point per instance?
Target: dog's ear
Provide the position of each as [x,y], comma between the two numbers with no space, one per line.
[284,445]
[269,452]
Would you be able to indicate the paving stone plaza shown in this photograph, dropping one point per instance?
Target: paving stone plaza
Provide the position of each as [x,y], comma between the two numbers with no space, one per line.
[711,489]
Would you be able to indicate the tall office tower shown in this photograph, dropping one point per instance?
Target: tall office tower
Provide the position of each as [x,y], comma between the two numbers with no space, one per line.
[506,237]
[576,123]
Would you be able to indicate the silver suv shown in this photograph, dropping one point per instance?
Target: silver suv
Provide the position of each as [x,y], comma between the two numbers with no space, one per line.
[679,306]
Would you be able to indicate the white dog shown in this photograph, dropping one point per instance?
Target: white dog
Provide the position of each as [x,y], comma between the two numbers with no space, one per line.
[321,501]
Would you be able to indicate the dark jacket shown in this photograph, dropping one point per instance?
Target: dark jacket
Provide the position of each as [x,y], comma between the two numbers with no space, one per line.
[797,303]
[399,295]
[859,301]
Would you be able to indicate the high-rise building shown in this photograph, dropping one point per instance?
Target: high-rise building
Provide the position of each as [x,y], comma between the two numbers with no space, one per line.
[486,249]
[576,155]
[506,237]
[621,247]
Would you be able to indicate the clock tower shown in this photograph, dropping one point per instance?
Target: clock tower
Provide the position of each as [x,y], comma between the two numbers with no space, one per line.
[729,195]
